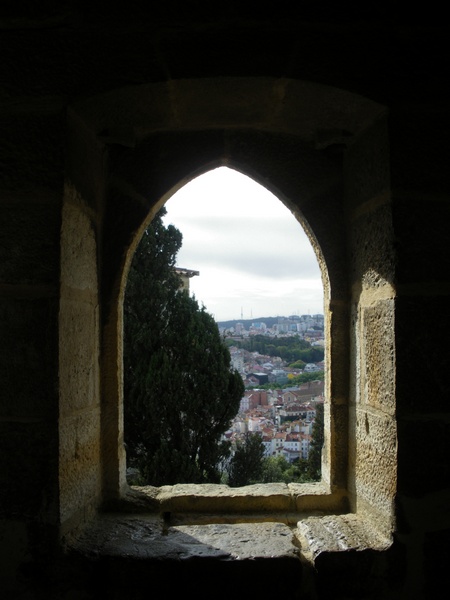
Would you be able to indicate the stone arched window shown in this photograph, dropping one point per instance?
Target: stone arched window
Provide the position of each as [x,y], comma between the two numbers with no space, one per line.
[324,153]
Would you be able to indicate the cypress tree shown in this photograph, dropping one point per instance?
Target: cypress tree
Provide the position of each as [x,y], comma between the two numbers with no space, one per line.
[180,393]
[246,465]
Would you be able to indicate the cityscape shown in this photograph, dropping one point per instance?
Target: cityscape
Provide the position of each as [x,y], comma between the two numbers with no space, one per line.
[283,415]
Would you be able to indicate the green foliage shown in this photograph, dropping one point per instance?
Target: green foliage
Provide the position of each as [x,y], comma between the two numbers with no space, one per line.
[305,377]
[290,349]
[245,467]
[278,469]
[317,441]
[180,393]
[297,472]
[293,381]
[298,364]
[274,469]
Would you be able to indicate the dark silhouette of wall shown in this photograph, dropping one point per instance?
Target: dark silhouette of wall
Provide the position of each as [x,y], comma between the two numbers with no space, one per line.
[342,112]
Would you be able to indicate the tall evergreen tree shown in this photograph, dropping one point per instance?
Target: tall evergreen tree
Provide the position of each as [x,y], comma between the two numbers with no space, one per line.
[180,393]
[246,466]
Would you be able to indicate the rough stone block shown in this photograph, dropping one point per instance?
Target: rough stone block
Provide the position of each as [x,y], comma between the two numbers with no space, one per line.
[79,463]
[79,356]
[373,455]
[78,246]
[378,354]
[371,247]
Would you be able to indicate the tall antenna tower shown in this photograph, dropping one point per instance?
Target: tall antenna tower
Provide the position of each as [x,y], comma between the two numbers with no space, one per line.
[242,314]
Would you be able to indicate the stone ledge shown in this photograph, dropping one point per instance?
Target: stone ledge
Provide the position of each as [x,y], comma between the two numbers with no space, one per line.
[138,556]
[344,556]
[149,537]
[338,533]
[138,552]
[314,498]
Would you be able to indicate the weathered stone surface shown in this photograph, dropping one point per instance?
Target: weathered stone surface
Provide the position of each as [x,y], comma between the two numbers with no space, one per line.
[262,501]
[222,498]
[134,556]
[378,354]
[239,541]
[374,460]
[79,460]
[338,533]
[150,537]
[78,245]
[350,558]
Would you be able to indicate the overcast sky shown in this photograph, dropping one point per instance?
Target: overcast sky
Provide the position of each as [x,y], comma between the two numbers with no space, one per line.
[253,257]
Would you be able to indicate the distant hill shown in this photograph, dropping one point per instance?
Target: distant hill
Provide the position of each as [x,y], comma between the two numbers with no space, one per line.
[269,321]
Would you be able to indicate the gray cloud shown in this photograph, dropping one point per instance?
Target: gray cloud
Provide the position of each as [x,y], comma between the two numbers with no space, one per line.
[255,250]
[251,253]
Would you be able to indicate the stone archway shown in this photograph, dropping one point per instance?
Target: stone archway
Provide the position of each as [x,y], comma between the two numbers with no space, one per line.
[132,148]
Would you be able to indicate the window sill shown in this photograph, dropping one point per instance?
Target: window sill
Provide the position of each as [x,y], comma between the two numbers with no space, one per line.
[150,538]
[259,533]
[285,503]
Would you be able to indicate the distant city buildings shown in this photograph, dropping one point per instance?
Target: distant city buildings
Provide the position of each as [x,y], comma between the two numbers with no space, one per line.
[308,326]
[283,418]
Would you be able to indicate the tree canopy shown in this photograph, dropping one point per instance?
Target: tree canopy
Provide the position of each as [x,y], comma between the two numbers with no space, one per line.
[290,349]
[180,393]
[246,465]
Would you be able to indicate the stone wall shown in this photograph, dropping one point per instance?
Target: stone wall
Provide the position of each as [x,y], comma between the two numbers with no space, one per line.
[105,114]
